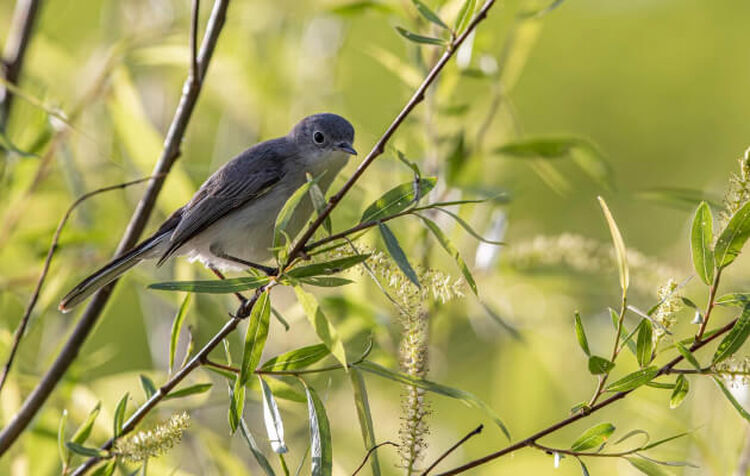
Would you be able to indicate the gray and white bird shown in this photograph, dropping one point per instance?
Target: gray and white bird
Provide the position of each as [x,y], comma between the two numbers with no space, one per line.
[229,222]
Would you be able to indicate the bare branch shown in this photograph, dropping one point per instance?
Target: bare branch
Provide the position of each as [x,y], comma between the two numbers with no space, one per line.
[450,450]
[138,222]
[369,453]
[45,269]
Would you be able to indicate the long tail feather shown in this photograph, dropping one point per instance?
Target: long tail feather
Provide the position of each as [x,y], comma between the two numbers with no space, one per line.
[107,273]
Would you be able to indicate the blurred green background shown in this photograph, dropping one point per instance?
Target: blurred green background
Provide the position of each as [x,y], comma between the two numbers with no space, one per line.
[659,86]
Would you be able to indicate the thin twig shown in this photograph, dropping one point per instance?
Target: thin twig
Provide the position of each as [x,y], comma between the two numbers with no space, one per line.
[45,269]
[450,450]
[140,217]
[369,453]
[710,305]
[584,454]
[531,440]
[615,350]
[16,45]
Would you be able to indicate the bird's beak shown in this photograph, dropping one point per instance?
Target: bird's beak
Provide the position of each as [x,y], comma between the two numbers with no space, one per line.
[346,147]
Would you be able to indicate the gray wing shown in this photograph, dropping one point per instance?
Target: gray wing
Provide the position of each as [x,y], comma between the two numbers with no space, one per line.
[243,179]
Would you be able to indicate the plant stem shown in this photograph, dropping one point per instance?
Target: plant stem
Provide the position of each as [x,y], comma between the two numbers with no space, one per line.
[710,305]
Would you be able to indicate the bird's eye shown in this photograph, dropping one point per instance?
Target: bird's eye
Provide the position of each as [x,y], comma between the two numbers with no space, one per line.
[318,137]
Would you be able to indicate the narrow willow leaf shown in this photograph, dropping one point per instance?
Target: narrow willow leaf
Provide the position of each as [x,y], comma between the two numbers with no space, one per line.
[119,419]
[323,327]
[84,431]
[733,238]
[326,281]
[107,469]
[319,203]
[646,467]
[685,352]
[219,286]
[620,251]
[397,200]
[464,15]
[743,413]
[272,419]
[426,40]
[148,386]
[633,433]
[681,388]
[255,337]
[584,469]
[581,335]
[191,390]
[321,451]
[664,440]
[236,405]
[734,299]
[599,365]
[286,213]
[451,250]
[364,416]
[431,16]
[701,243]
[85,450]
[644,343]
[257,453]
[468,227]
[593,437]
[62,450]
[176,328]
[398,255]
[545,147]
[735,338]
[685,199]
[633,380]
[329,267]
[661,385]
[297,358]
[461,395]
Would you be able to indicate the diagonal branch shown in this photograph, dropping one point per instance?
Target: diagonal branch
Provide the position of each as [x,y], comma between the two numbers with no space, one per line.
[531,440]
[19,36]
[171,152]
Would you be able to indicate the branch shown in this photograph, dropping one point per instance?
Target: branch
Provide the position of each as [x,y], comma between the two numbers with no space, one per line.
[45,269]
[369,453]
[138,222]
[531,440]
[450,450]
[19,35]
[246,307]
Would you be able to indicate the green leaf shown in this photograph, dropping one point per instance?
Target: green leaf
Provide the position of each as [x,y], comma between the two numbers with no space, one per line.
[451,250]
[297,358]
[545,147]
[685,352]
[398,255]
[743,413]
[593,437]
[321,450]
[119,419]
[584,469]
[255,337]
[685,199]
[148,386]
[364,416]
[626,337]
[62,450]
[325,281]
[319,202]
[107,469]
[406,379]
[272,419]
[323,327]
[329,267]
[581,335]
[216,286]
[427,40]
[735,338]
[599,365]
[85,450]
[620,251]
[398,199]
[681,388]
[84,431]
[733,238]
[188,391]
[431,16]
[701,243]
[646,467]
[236,405]
[286,213]
[467,227]
[456,160]
[664,440]
[633,380]
[464,15]
[734,299]
[644,344]
[176,328]
[633,433]
[257,453]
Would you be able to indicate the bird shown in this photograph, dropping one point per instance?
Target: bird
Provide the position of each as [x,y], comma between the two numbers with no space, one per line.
[229,223]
